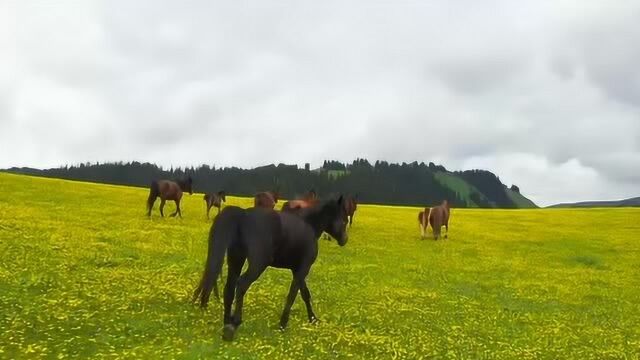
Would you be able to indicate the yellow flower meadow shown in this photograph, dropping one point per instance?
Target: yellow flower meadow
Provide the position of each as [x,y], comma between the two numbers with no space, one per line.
[84,273]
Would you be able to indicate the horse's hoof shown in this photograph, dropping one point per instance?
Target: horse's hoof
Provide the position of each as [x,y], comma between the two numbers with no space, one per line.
[228,332]
[313,320]
[282,328]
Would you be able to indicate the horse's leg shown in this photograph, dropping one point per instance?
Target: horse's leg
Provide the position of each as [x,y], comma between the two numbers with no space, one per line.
[351,219]
[150,202]
[208,209]
[297,283]
[235,261]
[291,297]
[162,201]
[306,296]
[244,282]
[177,209]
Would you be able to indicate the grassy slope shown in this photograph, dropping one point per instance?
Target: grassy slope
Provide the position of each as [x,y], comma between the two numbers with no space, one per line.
[520,201]
[631,202]
[84,273]
[463,188]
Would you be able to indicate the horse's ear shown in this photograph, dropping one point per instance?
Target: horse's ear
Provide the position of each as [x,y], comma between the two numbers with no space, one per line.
[340,199]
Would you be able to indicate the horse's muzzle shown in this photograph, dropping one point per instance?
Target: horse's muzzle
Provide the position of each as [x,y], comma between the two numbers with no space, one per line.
[345,238]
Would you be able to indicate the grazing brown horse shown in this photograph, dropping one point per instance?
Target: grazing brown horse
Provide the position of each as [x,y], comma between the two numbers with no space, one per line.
[168,190]
[350,206]
[439,216]
[308,200]
[215,200]
[265,199]
[423,221]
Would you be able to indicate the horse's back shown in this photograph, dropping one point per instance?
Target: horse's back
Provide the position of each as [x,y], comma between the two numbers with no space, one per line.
[436,216]
[260,228]
[169,189]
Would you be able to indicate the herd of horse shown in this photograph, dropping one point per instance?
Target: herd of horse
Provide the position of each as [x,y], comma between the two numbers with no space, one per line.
[264,237]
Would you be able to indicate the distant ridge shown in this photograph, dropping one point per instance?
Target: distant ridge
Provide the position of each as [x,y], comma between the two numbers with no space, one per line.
[632,202]
[414,184]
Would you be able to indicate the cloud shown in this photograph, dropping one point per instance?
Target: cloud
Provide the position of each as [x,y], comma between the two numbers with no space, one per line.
[571,179]
[546,90]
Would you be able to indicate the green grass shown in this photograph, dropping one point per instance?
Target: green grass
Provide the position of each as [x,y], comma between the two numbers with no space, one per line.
[83,273]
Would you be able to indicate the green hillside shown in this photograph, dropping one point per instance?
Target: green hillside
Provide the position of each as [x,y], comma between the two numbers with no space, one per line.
[381,182]
[460,186]
[520,201]
[466,190]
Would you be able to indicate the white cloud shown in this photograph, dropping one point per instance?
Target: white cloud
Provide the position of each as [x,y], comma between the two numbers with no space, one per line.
[543,93]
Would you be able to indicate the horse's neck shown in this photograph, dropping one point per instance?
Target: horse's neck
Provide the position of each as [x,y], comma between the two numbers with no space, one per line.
[317,220]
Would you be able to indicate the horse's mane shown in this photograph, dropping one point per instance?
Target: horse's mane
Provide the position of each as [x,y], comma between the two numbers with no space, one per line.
[326,207]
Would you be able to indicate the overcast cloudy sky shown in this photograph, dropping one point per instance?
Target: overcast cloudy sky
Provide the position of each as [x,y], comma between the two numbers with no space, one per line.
[544,93]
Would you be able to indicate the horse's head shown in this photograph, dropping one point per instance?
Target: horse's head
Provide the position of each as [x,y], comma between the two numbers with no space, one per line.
[445,204]
[223,195]
[336,216]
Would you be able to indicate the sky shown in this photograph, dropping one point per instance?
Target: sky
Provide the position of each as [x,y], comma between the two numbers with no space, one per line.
[546,94]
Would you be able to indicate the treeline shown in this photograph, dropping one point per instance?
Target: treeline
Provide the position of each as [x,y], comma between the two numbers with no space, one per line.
[379,183]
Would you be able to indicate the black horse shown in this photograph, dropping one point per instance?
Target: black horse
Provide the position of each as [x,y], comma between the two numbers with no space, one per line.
[264,237]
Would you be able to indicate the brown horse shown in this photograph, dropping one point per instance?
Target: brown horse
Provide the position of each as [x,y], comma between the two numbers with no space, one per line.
[215,200]
[439,216]
[265,199]
[350,206]
[423,221]
[308,200]
[168,190]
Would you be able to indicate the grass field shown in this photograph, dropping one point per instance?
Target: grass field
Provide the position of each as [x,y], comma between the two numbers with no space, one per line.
[83,273]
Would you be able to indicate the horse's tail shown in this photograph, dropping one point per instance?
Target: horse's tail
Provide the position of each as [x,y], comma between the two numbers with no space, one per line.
[154,192]
[224,232]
